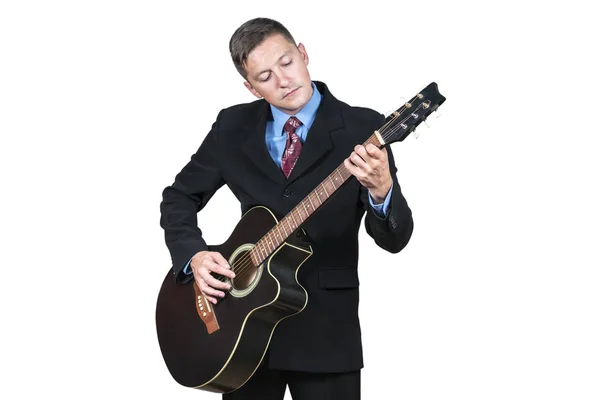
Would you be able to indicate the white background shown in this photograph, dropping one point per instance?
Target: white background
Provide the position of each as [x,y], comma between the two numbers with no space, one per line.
[495,297]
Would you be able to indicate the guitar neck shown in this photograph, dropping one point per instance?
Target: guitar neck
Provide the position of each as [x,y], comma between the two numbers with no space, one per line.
[302,212]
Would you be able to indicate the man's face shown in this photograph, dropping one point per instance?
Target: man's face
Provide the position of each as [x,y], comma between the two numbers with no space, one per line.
[276,71]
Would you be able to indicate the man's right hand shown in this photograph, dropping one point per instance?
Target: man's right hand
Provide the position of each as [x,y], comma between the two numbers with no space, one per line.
[205,262]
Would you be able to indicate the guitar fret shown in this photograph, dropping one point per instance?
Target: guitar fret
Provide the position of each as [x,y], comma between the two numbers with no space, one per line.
[332,184]
[325,189]
[305,210]
[297,209]
[263,251]
[290,225]
[295,222]
[257,259]
[340,174]
[270,241]
[311,203]
[318,197]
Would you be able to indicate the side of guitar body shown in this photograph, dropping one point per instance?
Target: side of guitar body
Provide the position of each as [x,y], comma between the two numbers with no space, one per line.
[224,360]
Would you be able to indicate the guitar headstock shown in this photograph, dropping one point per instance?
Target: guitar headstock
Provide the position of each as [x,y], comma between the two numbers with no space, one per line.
[404,120]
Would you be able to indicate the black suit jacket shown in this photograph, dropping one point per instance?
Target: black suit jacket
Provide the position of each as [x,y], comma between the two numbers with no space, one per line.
[325,336]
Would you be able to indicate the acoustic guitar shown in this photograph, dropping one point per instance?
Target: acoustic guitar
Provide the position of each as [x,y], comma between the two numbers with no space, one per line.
[218,347]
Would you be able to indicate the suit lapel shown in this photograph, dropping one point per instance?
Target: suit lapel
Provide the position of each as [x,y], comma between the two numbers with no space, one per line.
[318,139]
[255,147]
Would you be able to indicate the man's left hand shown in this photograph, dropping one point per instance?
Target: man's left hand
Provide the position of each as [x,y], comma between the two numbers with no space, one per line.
[370,166]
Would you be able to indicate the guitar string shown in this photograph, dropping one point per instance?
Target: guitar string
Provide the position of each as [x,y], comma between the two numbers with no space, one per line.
[244,264]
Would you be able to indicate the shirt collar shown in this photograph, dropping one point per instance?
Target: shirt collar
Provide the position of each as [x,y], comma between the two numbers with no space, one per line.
[306,115]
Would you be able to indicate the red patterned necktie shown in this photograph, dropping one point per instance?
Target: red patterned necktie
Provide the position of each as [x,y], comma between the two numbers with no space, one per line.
[293,146]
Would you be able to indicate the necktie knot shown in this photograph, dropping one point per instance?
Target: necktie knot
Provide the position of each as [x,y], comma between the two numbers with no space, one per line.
[292,124]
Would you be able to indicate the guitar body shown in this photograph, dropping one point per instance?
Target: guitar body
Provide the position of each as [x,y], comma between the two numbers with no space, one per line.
[223,360]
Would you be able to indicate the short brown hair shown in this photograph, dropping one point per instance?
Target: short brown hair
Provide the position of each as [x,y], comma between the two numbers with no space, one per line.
[250,35]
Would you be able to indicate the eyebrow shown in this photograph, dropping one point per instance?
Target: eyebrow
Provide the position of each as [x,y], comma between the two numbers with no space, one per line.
[267,70]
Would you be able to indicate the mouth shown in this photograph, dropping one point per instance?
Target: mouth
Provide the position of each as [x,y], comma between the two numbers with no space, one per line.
[291,93]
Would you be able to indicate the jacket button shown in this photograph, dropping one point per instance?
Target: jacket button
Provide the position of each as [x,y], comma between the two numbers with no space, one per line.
[287,193]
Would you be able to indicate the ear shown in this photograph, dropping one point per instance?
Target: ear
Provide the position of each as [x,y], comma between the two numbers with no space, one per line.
[252,90]
[303,53]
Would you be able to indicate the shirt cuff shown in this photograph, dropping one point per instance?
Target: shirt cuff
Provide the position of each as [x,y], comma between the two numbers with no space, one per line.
[187,270]
[383,208]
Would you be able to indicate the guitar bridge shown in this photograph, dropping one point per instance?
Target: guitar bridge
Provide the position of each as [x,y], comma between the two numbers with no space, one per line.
[205,311]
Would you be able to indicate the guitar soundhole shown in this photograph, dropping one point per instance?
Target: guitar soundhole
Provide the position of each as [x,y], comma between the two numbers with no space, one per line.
[245,272]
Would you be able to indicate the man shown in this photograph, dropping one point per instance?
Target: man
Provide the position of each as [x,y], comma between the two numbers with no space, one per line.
[273,152]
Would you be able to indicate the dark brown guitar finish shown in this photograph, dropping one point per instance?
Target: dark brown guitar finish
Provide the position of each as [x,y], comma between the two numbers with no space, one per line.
[224,360]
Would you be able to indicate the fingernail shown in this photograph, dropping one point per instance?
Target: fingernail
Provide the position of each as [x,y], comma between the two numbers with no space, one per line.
[232,275]
[228,287]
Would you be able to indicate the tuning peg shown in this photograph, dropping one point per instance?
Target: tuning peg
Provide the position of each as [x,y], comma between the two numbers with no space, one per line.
[431,120]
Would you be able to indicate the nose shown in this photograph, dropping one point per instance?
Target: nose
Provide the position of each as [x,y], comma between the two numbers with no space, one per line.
[284,81]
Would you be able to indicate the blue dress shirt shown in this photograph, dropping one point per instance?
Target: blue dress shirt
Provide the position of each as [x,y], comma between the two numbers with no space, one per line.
[275,138]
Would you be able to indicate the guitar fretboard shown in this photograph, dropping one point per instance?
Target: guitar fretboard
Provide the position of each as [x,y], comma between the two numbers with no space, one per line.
[302,212]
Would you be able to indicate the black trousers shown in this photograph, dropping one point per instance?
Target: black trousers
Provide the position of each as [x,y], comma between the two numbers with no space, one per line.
[270,384]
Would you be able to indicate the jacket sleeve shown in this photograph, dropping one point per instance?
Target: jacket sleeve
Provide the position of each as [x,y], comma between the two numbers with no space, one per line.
[192,189]
[393,231]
